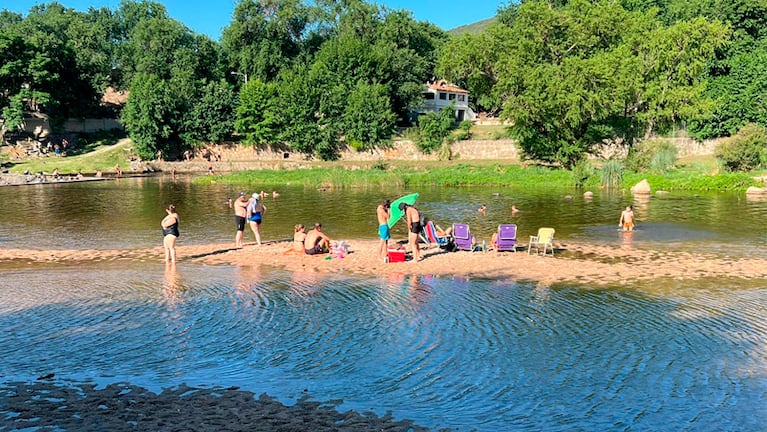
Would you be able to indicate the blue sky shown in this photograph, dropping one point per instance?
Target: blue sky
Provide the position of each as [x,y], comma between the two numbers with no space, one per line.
[210,17]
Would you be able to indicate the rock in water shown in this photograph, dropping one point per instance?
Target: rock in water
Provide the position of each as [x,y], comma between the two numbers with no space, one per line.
[641,188]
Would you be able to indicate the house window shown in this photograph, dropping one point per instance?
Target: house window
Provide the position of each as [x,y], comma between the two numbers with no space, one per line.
[451,96]
[461,98]
[443,96]
[428,96]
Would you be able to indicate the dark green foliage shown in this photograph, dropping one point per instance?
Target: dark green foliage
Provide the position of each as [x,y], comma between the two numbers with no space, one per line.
[368,118]
[582,172]
[212,115]
[257,113]
[433,128]
[746,150]
[150,116]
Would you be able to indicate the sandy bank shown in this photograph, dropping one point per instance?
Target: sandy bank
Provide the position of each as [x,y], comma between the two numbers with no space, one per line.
[591,264]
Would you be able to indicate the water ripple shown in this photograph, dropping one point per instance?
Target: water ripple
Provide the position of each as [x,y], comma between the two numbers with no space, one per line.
[450,352]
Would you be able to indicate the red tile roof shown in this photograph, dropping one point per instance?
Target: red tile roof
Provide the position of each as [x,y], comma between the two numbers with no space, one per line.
[443,85]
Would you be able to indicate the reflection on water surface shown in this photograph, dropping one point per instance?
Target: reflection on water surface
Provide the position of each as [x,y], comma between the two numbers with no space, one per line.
[445,352]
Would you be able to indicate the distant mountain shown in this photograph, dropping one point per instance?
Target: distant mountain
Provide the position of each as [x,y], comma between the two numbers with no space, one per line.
[474,28]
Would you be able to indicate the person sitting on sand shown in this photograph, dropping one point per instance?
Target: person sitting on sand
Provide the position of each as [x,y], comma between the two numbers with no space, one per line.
[627,219]
[298,240]
[316,241]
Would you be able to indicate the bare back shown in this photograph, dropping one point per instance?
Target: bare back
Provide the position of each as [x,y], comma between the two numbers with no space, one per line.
[383,215]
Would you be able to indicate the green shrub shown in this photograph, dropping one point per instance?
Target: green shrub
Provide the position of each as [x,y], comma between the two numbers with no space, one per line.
[744,151]
[653,155]
[611,173]
[434,128]
[582,171]
[358,146]
[464,131]
[664,158]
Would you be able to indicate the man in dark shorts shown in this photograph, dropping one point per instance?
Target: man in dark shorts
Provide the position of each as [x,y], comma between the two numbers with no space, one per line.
[240,213]
[413,219]
[316,241]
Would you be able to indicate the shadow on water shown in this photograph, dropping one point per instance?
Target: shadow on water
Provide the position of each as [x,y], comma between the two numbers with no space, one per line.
[445,352]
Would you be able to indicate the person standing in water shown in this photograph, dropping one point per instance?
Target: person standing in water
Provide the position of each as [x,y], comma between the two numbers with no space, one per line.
[382,212]
[170,233]
[627,219]
[255,213]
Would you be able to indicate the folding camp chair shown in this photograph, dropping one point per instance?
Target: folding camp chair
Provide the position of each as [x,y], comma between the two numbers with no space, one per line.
[545,238]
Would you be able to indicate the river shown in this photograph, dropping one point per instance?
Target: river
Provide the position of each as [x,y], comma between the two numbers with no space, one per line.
[449,352]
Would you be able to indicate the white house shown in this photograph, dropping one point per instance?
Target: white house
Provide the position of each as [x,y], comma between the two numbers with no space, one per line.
[439,94]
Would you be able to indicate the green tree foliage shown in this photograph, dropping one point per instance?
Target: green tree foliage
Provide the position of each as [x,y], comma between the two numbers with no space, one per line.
[367,116]
[212,115]
[150,116]
[746,150]
[265,36]
[367,73]
[258,113]
[471,62]
[589,71]
[433,128]
[187,71]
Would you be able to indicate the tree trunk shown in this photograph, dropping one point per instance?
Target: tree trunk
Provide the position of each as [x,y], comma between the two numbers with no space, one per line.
[648,131]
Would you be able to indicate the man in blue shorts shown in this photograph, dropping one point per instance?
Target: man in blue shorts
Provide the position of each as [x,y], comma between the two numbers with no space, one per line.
[383,227]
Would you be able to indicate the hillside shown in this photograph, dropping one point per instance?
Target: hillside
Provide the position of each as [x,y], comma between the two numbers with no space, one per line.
[473,28]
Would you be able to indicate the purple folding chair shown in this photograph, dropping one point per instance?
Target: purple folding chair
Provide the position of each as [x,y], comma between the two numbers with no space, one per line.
[507,237]
[463,238]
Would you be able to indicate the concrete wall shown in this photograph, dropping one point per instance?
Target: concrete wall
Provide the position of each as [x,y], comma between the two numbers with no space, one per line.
[91,125]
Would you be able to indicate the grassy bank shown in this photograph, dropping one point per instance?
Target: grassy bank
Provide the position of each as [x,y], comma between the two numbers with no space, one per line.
[100,155]
[457,175]
[700,174]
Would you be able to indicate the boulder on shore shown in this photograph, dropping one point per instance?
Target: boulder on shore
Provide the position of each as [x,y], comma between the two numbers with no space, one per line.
[641,188]
[753,190]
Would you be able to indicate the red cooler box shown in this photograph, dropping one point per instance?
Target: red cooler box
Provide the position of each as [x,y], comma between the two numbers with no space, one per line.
[396,255]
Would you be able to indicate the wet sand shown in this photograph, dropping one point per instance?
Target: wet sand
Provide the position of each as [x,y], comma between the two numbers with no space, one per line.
[589,264]
[43,405]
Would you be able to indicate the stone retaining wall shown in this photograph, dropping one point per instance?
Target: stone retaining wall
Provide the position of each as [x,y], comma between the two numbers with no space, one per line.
[399,150]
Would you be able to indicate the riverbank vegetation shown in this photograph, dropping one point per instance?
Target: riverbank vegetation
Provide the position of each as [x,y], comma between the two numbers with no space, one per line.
[695,176]
[319,76]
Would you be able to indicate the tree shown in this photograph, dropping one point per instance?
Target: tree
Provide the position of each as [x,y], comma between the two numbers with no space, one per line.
[149,116]
[471,61]
[258,113]
[265,36]
[433,128]
[577,75]
[211,117]
[368,118]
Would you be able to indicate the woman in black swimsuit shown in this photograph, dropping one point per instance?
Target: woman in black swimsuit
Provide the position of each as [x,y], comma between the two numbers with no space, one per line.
[170,233]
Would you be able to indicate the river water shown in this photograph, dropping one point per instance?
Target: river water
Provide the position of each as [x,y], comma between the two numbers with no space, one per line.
[449,352]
